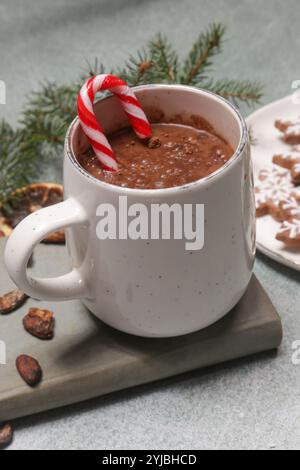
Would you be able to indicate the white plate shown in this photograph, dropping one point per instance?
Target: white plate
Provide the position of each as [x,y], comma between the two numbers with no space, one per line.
[267,144]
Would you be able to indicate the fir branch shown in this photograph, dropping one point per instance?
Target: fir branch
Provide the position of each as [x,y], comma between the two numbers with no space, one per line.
[51,100]
[46,118]
[50,110]
[164,61]
[236,90]
[157,63]
[17,166]
[136,71]
[199,59]
[92,69]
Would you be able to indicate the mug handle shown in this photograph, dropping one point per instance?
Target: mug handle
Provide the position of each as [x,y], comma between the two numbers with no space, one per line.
[27,235]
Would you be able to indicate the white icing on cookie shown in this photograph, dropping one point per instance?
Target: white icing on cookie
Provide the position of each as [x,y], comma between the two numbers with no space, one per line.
[291,229]
[296,168]
[274,185]
[291,208]
[292,157]
[293,130]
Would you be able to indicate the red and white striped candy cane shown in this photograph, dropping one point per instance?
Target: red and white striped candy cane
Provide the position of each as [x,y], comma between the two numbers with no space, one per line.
[92,128]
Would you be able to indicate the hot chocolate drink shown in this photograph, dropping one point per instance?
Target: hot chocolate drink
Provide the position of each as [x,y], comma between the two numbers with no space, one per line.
[176,155]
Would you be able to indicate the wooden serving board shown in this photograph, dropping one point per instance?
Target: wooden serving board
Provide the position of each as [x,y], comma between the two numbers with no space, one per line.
[88,359]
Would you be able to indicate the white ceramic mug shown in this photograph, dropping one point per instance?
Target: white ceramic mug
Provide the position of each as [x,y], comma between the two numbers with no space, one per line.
[153,288]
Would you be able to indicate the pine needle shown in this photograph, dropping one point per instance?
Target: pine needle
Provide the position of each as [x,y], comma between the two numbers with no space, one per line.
[136,71]
[164,60]
[17,166]
[236,90]
[200,57]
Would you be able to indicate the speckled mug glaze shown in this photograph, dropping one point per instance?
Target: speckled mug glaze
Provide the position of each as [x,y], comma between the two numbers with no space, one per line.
[150,288]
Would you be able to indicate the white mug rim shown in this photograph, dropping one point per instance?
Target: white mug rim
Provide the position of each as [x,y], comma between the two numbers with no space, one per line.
[161,191]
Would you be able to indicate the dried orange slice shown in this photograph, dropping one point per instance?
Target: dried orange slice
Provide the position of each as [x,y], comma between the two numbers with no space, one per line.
[27,200]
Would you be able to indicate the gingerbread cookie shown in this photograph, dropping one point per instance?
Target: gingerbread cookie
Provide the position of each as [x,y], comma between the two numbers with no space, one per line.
[289,233]
[290,131]
[282,126]
[290,161]
[274,186]
[289,209]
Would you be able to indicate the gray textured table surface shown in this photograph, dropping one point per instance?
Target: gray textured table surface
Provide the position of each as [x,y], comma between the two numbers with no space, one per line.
[249,404]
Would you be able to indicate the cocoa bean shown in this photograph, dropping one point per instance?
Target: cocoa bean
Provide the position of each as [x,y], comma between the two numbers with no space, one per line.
[154,143]
[6,435]
[12,301]
[29,369]
[39,323]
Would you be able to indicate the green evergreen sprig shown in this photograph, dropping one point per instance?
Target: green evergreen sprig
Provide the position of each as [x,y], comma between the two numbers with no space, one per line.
[49,111]
[199,60]
[235,90]
[17,163]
